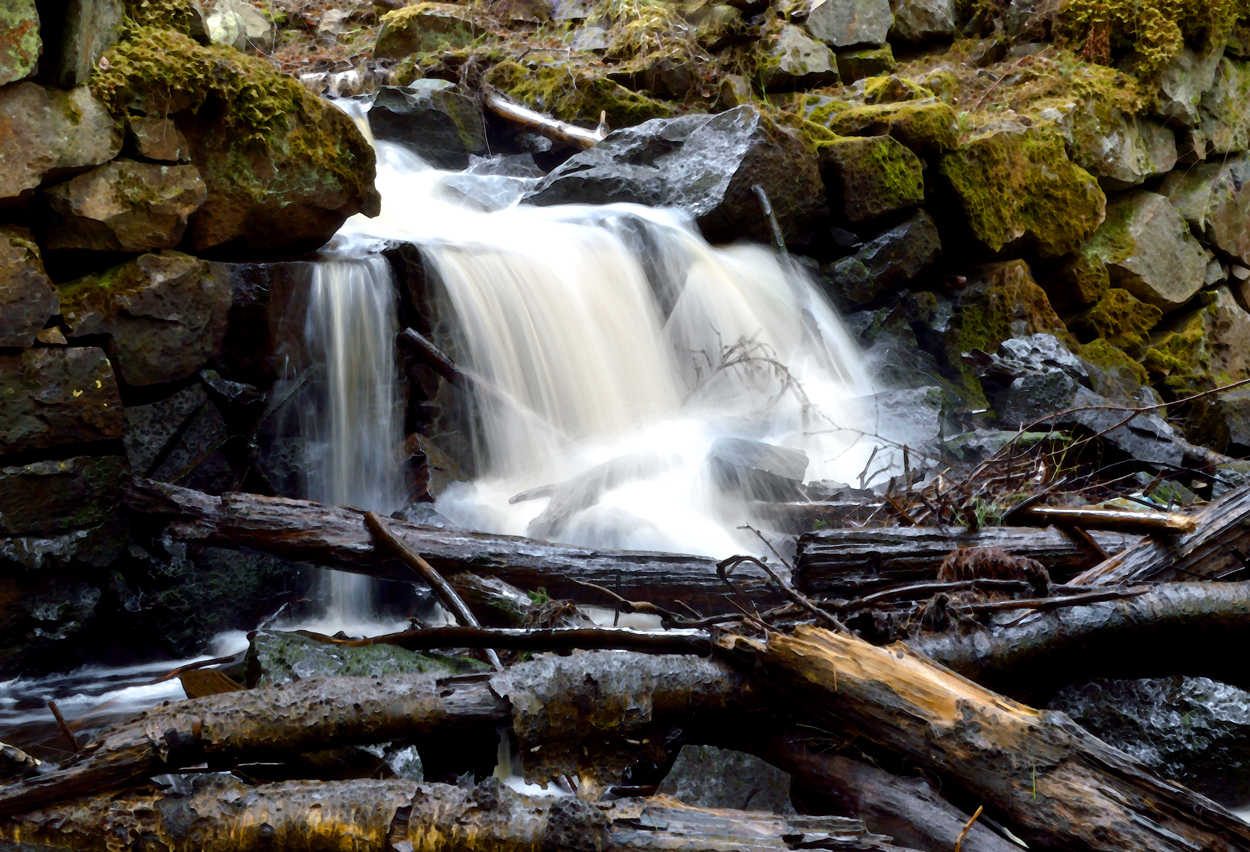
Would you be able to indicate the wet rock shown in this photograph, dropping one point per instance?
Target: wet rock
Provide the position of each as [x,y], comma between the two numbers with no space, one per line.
[266,315]
[1022,186]
[757,470]
[709,777]
[1028,378]
[424,28]
[63,552]
[165,314]
[158,139]
[920,418]
[1222,422]
[705,165]
[1149,251]
[51,497]
[1147,438]
[919,21]
[1119,317]
[20,44]
[850,23]
[1183,83]
[27,297]
[433,119]
[657,75]
[177,436]
[1204,348]
[870,176]
[1191,730]
[45,623]
[277,658]
[923,126]
[897,256]
[56,396]
[423,514]
[791,60]
[241,25]
[42,130]
[1215,200]
[892,353]
[855,65]
[123,206]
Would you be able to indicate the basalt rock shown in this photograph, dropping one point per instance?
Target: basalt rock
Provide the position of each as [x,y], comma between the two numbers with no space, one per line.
[424,28]
[1204,348]
[179,437]
[20,44]
[50,497]
[884,265]
[920,21]
[165,314]
[867,177]
[1223,108]
[850,23]
[1215,200]
[1183,83]
[42,130]
[57,396]
[27,297]
[433,119]
[1122,150]
[123,206]
[705,165]
[240,25]
[923,126]
[856,64]
[790,59]
[1118,317]
[158,139]
[278,658]
[709,777]
[1222,422]
[757,470]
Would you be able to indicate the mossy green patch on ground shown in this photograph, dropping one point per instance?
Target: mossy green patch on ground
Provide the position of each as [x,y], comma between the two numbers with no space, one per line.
[276,658]
[574,93]
[1119,318]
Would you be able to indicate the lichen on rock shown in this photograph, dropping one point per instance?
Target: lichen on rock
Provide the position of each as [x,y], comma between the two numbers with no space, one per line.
[1119,318]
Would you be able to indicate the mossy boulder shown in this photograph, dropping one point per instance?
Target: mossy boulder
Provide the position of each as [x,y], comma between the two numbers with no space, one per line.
[866,177]
[165,314]
[1222,422]
[1080,281]
[1203,349]
[432,118]
[277,658]
[1021,186]
[1222,118]
[20,44]
[919,21]
[425,28]
[57,396]
[1214,198]
[574,92]
[1112,373]
[923,126]
[1119,318]
[1121,149]
[283,168]
[865,62]
[885,265]
[27,297]
[789,59]
[1183,83]
[891,89]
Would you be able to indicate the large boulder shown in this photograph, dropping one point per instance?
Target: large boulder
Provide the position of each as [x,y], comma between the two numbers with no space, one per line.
[1119,318]
[1120,149]
[27,297]
[705,165]
[123,206]
[849,23]
[42,130]
[1214,199]
[708,777]
[789,59]
[1204,348]
[1223,111]
[424,28]
[923,126]
[869,176]
[56,396]
[433,119]
[923,20]
[1184,81]
[883,266]
[1148,250]
[20,44]
[165,314]
[1022,186]
[283,168]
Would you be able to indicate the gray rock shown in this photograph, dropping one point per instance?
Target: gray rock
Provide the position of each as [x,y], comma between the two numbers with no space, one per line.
[61,552]
[757,470]
[1147,438]
[242,26]
[705,165]
[892,352]
[423,514]
[123,206]
[1223,108]
[20,44]
[27,297]
[57,396]
[850,23]
[923,20]
[1029,378]
[1191,730]
[916,417]
[791,60]
[1214,199]
[1220,351]
[165,314]
[41,130]
[889,261]
[709,777]
[51,497]
[1222,422]
[1183,83]
[1124,152]
[80,129]
[89,29]
[1149,251]
[199,428]
[431,117]
[277,658]
[158,139]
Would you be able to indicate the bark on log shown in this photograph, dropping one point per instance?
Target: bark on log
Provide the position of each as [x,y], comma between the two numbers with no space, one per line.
[537,639]
[1196,629]
[1052,783]
[1216,548]
[556,703]
[1119,520]
[224,815]
[847,563]
[336,537]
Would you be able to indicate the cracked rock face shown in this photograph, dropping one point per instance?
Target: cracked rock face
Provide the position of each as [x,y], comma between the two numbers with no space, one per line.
[27,297]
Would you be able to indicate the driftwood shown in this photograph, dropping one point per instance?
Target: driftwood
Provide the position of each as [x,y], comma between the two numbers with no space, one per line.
[1215,549]
[336,537]
[433,357]
[1048,780]
[543,125]
[1174,628]
[846,563]
[224,815]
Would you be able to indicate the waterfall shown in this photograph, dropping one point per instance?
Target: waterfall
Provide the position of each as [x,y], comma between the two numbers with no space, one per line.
[352,431]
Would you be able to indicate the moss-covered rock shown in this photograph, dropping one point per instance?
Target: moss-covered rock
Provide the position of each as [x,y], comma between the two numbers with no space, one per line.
[1079,281]
[1203,349]
[425,28]
[1112,373]
[892,89]
[283,168]
[1119,318]
[1222,115]
[20,44]
[575,93]
[923,126]
[789,59]
[52,497]
[866,62]
[870,176]
[57,396]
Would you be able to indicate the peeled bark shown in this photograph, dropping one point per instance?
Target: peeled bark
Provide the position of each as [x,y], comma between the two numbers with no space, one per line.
[224,815]
[1052,783]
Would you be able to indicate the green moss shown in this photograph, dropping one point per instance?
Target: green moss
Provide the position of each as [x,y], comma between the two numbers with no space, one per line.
[574,93]
[871,62]
[1016,185]
[1079,282]
[1179,357]
[424,28]
[920,125]
[893,89]
[177,15]
[871,175]
[98,290]
[1110,359]
[1119,318]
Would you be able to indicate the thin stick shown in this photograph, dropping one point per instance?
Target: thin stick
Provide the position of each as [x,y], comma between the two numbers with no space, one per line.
[65,728]
[382,531]
[959,841]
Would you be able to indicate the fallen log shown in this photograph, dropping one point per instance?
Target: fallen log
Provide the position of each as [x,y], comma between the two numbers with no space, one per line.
[224,815]
[1048,780]
[1174,628]
[543,125]
[611,700]
[537,639]
[848,562]
[1117,520]
[1215,549]
[336,537]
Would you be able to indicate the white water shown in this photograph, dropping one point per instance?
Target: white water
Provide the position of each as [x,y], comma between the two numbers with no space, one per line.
[606,332]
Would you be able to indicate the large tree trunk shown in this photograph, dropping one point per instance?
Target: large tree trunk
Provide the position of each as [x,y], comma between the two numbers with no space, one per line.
[1046,778]
[336,537]
[224,815]
[848,562]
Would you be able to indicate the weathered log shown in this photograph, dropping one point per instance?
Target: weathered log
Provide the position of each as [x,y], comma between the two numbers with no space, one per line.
[1048,780]
[1117,520]
[611,698]
[224,815]
[848,562]
[1215,549]
[537,639]
[433,357]
[543,125]
[336,537]
[1196,629]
